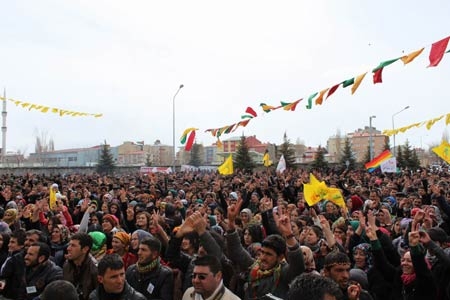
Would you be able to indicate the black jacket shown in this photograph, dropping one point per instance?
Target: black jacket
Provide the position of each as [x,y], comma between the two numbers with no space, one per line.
[13,272]
[128,294]
[40,276]
[161,279]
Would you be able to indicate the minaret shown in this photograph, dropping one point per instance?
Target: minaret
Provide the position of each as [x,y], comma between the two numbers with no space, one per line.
[4,126]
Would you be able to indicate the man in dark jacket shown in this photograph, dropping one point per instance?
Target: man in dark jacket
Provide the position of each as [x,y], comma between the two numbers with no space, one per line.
[39,271]
[80,267]
[111,276]
[148,276]
[12,271]
[270,273]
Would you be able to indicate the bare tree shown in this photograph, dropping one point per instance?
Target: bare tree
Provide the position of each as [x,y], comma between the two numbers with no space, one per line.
[43,144]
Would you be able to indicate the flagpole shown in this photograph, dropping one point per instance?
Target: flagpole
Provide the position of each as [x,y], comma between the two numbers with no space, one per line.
[4,113]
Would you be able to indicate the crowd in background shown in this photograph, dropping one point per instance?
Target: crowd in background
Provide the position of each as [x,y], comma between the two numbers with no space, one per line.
[200,235]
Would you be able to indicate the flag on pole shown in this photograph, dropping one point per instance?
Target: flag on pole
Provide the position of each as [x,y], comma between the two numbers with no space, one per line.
[316,190]
[443,151]
[227,167]
[281,167]
[377,161]
[266,159]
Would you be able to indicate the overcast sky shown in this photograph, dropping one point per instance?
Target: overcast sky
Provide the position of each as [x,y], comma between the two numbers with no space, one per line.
[127,60]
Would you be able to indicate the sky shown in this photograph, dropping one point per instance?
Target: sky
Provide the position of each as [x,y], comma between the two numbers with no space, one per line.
[126,60]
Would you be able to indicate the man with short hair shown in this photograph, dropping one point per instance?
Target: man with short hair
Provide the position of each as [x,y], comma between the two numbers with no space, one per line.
[59,289]
[207,281]
[337,267]
[39,270]
[12,271]
[80,267]
[148,276]
[111,276]
[310,286]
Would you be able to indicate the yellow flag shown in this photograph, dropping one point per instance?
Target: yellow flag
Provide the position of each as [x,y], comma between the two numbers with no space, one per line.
[443,151]
[52,198]
[266,159]
[335,196]
[410,57]
[227,167]
[319,99]
[358,81]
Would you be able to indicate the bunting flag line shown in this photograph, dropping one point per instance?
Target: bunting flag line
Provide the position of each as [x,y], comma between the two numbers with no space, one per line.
[189,141]
[443,151]
[377,161]
[428,124]
[45,109]
[227,167]
[437,51]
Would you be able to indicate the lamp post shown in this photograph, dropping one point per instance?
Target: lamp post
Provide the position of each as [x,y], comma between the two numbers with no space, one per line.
[393,126]
[173,127]
[370,137]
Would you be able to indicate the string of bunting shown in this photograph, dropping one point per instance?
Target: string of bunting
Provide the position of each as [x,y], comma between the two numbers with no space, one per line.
[436,54]
[46,109]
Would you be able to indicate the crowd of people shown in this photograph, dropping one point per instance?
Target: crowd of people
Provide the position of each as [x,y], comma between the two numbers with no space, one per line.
[200,235]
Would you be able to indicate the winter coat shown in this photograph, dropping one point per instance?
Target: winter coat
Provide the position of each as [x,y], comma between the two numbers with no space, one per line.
[158,281]
[84,277]
[40,276]
[128,294]
[13,272]
[289,271]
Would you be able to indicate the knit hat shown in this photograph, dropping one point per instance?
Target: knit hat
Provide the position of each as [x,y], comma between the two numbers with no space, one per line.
[4,228]
[98,240]
[111,219]
[11,204]
[360,277]
[123,237]
[357,202]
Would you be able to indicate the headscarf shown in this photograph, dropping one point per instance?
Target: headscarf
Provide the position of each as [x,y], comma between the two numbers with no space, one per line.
[142,234]
[111,219]
[98,240]
[365,247]
[308,257]
[12,216]
[123,237]
[64,233]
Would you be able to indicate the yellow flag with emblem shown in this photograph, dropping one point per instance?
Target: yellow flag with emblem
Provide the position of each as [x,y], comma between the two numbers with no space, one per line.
[227,167]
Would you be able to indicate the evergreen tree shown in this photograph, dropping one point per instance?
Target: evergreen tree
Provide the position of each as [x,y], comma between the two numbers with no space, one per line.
[287,149]
[347,155]
[407,155]
[400,160]
[319,161]
[106,161]
[195,159]
[243,160]
[415,161]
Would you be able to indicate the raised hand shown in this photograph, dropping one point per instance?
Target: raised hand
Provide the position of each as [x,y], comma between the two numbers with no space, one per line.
[371,220]
[233,210]
[199,222]
[186,227]
[284,224]
[324,223]
[414,238]
[371,233]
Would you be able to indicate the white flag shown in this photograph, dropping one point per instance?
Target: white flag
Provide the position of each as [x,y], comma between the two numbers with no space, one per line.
[389,166]
[281,164]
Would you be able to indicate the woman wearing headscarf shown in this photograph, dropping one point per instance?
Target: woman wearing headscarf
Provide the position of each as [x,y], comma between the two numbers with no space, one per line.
[59,240]
[413,279]
[98,249]
[121,246]
[136,237]
[11,219]
[378,287]
[308,257]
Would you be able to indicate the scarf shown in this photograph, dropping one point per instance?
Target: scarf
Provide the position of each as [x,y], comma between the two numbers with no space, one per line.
[256,274]
[145,268]
[407,279]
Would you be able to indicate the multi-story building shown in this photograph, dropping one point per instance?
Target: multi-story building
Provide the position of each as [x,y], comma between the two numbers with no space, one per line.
[359,140]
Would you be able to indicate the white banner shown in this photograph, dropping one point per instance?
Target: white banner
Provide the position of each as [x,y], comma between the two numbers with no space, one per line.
[389,166]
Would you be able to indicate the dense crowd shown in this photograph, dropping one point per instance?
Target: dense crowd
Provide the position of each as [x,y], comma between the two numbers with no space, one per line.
[200,235]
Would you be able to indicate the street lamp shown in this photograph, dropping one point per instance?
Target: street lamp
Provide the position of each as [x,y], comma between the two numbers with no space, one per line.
[173,126]
[393,126]
[370,137]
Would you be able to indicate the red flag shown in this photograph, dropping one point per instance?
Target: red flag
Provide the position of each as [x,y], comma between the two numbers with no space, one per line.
[250,110]
[378,76]
[437,51]
[332,90]
[190,141]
